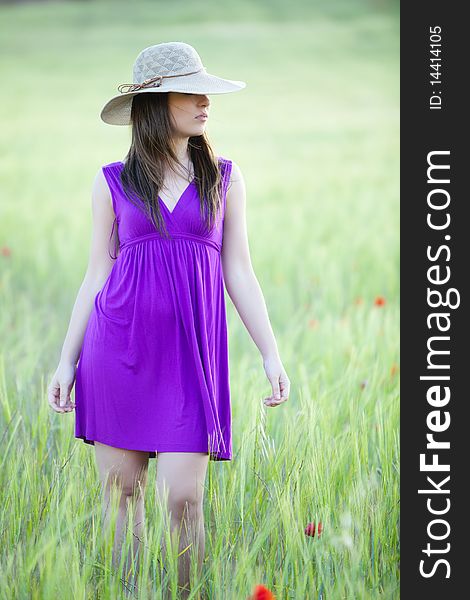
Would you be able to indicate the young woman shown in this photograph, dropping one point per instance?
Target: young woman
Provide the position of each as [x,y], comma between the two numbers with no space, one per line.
[148,328]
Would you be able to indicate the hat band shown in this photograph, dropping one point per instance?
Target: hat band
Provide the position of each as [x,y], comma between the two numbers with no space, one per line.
[151,82]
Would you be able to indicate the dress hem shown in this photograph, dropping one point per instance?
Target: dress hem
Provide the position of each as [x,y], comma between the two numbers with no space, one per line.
[214,456]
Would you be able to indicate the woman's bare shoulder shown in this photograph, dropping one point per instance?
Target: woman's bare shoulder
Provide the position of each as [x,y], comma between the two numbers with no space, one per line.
[236,175]
[100,193]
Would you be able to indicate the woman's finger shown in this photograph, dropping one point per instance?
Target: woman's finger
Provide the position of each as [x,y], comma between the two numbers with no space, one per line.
[271,402]
[52,392]
[64,395]
[53,395]
[284,385]
[53,398]
[275,387]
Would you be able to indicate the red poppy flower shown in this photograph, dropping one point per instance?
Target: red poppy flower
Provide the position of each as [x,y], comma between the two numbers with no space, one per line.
[358,300]
[379,301]
[310,529]
[6,251]
[262,593]
[312,323]
[393,370]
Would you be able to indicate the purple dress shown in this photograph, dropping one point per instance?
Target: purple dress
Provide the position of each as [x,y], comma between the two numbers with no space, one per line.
[153,371]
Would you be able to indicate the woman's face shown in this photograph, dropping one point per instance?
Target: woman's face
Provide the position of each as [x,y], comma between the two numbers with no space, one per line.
[185,111]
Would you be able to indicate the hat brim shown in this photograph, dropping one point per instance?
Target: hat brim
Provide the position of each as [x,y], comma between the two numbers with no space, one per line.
[117,110]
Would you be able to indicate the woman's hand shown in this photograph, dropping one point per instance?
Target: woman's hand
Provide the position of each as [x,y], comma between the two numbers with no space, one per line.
[278,379]
[59,389]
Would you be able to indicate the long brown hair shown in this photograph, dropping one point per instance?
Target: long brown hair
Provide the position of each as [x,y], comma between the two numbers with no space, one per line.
[151,151]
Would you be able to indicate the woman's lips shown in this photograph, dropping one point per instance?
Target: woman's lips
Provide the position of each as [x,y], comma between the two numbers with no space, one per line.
[202,117]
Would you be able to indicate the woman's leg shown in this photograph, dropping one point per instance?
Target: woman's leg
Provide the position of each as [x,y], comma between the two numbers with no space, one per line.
[180,482]
[127,469]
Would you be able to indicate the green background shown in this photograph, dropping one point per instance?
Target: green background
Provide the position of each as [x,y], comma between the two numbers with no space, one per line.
[316,135]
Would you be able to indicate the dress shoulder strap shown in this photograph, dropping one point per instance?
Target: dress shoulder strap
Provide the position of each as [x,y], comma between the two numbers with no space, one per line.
[112,174]
[226,170]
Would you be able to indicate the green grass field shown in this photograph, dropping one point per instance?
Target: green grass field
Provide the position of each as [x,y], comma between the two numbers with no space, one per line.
[316,134]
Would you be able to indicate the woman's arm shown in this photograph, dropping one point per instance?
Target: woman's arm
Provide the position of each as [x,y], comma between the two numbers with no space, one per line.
[244,289]
[99,266]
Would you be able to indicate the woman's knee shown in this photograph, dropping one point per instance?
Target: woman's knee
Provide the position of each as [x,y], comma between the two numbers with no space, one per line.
[133,485]
[183,502]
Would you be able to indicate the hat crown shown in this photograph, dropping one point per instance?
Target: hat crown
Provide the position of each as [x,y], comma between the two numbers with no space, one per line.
[168,58]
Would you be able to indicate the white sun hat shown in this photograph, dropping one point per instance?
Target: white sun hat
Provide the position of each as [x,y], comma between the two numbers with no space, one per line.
[165,67]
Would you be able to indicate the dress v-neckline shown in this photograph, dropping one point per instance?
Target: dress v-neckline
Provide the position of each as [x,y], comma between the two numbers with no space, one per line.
[179,199]
[170,212]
